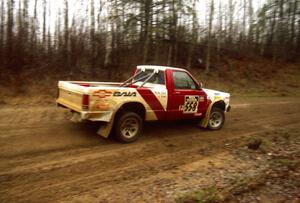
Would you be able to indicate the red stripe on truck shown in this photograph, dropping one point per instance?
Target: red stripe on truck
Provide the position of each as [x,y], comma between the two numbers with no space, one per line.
[153,102]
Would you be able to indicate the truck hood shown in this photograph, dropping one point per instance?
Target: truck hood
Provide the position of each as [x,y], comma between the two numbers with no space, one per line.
[217,95]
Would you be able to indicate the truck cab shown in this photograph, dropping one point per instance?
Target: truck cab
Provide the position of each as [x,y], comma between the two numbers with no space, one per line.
[185,98]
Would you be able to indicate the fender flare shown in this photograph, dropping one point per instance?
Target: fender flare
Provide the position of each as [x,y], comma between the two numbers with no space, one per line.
[205,119]
[106,128]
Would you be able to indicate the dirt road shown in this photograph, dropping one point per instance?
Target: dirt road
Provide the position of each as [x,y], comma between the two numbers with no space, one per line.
[46,158]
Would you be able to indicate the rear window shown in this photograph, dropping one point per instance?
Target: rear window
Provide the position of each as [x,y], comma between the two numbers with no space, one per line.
[158,78]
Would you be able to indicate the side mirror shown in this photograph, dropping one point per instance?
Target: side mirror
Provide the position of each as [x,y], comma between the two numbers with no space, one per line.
[200,86]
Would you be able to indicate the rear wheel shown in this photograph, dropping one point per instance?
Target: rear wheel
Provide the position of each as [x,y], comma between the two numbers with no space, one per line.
[128,127]
[216,119]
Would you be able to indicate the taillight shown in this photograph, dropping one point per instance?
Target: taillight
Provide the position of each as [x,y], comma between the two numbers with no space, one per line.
[85,85]
[85,102]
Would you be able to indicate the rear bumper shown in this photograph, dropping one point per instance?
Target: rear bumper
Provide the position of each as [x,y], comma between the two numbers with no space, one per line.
[105,116]
[80,115]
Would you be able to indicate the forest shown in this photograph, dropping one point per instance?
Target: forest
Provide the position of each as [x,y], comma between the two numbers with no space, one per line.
[247,48]
[101,39]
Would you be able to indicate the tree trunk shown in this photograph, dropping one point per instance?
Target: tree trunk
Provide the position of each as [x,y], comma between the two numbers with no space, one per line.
[92,38]
[293,22]
[231,12]
[281,44]
[147,27]
[66,39]
[243,34]
[193,40]
[298,39]
[9,34]
[220,33]
[211,14]
[250,32]
[44,25]
[49,40]
[2,19]
[34,28]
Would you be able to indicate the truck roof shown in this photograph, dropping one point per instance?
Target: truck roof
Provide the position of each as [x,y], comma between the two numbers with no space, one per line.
[162,68]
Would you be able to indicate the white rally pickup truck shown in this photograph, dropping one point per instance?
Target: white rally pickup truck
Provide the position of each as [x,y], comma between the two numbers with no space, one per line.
[152,93]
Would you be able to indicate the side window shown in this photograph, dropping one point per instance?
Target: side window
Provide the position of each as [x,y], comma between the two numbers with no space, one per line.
[183,81]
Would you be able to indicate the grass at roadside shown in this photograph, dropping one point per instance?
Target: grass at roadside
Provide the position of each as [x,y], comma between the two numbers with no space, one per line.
[207,195]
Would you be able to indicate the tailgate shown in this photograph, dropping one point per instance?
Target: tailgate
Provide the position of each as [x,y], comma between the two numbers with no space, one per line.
[70,95]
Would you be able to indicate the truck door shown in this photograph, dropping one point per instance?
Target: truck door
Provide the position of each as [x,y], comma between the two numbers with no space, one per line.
[185,98]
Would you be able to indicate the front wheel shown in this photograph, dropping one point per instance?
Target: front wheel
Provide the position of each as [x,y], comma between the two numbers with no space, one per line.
[216,119]
[128,127]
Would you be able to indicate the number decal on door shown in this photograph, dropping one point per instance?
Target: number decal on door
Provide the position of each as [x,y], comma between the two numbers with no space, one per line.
[190,104]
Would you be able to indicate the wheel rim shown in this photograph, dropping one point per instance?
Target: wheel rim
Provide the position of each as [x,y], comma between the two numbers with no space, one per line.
[130,127]
[216,119]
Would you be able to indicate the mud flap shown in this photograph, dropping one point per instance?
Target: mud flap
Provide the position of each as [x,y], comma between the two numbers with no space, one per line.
[105,129]
[204,121]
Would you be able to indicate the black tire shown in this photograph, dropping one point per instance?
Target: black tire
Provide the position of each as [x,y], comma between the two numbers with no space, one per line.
[216,119]
[128,127]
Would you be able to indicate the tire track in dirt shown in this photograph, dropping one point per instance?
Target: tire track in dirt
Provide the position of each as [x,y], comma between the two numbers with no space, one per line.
[117,146]
[94,172]
[97,153]
[145,173]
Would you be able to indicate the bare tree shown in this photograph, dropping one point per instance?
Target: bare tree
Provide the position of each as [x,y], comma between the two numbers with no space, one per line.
[147,10]
[194,35]
[66,35]
[250,15]
[49,39]
[92,36]
[231,7]
[220,31]
[294,6]
[2,21]
[9,33]
[33,29]
[44,24]
[208,52]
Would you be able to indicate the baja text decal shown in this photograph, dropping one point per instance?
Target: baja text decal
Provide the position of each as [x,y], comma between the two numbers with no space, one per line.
[125,94]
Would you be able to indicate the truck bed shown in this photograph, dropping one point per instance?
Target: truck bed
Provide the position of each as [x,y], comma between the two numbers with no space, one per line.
[70,93]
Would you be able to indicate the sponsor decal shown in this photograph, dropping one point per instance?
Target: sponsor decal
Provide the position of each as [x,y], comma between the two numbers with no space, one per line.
[218,97]
[190,104]
[125,94]
[102,106]
[160,94]
[102,93]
